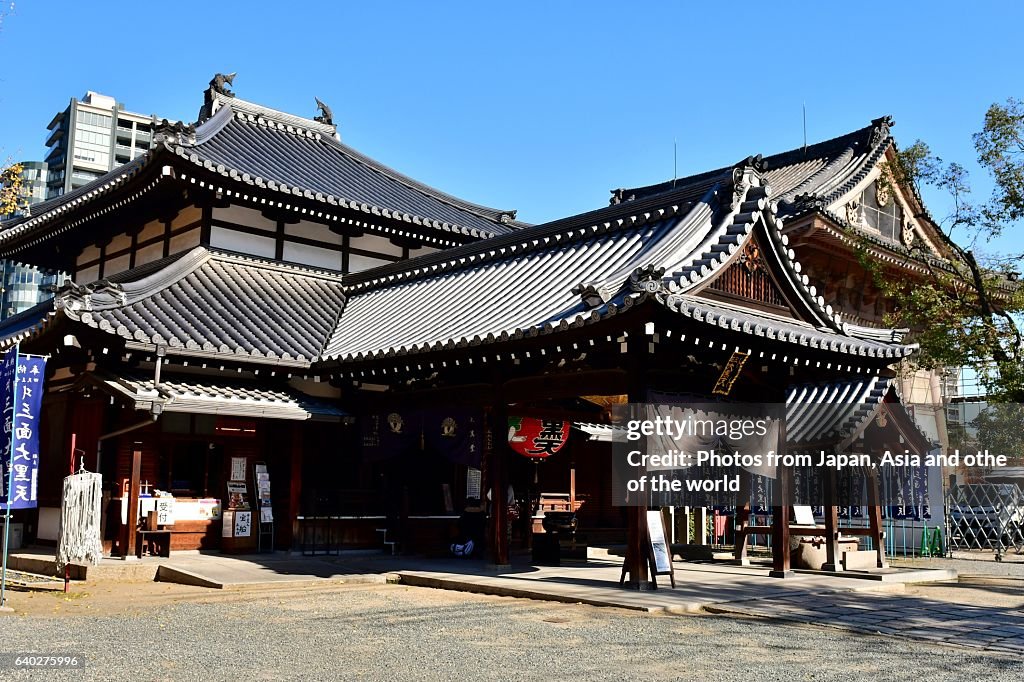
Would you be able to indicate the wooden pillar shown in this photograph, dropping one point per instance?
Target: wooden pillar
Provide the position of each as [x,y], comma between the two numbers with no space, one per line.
[683,525]
[743,520]
[128,529]
[875,519]
[832,558]
[636,564]
[294,484]
[700,526]
[780,515]
[497,441]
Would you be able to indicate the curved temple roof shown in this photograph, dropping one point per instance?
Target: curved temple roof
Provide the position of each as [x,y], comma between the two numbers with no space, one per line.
[214,304]
[665,248]
[837,413]
[254,146]
[570,274]
[814,175]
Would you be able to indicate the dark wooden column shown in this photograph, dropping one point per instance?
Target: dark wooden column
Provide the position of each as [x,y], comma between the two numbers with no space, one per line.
[128,529]
[832,557]
[296,448]
[780,515]
[743,520]
[875,519]
[636,562]
[497,471]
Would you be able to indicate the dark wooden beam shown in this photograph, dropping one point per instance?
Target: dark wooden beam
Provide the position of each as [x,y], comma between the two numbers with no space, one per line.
[128,529]
[780,514]
[294,483]
[636,564]
[832,558]
[743,520]
[497,481]
[570,385]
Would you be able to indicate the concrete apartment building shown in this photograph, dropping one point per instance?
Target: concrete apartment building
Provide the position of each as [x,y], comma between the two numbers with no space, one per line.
[92,136]
[89,138]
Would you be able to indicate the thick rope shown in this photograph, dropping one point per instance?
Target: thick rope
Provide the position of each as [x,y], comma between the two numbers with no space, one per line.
[79,540]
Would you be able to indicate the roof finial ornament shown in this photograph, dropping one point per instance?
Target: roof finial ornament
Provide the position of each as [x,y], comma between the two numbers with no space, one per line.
[220,82]
[757,163]
[619,196]
[326,116]
[881,129]
[174,133]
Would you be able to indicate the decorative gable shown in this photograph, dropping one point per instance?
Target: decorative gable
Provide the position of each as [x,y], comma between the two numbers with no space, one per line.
[749,281]
[749,278]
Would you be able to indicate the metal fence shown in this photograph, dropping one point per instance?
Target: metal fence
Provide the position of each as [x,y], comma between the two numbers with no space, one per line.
[985,516]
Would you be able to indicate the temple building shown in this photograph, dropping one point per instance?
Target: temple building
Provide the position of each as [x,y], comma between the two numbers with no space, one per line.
[260,317]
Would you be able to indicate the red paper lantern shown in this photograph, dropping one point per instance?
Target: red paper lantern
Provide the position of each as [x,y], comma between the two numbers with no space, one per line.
[537,438]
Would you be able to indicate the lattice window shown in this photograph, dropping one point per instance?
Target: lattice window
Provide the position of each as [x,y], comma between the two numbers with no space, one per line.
[881,211]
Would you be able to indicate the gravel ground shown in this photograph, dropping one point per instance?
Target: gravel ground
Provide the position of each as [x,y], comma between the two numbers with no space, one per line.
[393,632]
[975,564]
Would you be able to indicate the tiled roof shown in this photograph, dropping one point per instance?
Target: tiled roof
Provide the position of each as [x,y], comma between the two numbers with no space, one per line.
[254,146]
[835,411]
[25,324]
[804,177]
[773,327]
[569,274]
[66,204]
[194,395]
[538,281]
[239,105]
[664,246]
[211,303]
[261,147]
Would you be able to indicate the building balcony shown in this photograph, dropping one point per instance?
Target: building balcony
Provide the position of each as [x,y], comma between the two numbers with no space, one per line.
[57,133]
[55,157]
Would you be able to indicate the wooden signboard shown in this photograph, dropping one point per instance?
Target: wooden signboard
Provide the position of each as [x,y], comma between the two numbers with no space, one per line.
[657,549]
[659,552]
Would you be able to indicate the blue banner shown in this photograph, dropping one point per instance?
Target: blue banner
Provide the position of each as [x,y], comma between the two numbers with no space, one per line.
[8,372]
[21,386]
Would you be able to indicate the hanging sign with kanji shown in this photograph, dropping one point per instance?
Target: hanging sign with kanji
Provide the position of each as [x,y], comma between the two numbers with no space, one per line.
[537,438]
[21,385]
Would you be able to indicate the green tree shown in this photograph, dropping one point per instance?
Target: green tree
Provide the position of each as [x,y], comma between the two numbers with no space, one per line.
[967,311]
[999,431]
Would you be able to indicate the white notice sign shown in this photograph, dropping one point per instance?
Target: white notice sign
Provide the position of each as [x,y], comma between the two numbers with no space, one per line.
[228,524]
[659,546]
[243,524]
[165,511]
[237,468]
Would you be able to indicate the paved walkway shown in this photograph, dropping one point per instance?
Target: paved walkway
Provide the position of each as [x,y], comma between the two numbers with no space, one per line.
[698,585]
[904,616]
[274,570]
[873,605]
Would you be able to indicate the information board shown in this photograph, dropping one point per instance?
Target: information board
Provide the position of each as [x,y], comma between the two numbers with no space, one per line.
[661,553]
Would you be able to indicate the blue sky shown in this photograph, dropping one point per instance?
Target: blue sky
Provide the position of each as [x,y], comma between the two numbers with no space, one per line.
[542,107]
